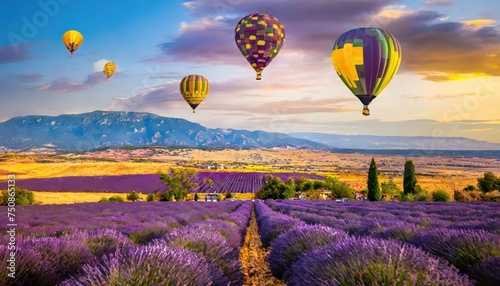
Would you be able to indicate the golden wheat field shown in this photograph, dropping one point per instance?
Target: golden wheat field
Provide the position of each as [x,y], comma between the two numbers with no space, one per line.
[432,172]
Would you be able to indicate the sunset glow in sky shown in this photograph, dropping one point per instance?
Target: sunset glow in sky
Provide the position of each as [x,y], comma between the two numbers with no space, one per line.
[448,83]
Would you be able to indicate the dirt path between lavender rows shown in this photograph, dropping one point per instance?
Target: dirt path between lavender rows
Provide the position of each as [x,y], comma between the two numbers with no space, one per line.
[252,256]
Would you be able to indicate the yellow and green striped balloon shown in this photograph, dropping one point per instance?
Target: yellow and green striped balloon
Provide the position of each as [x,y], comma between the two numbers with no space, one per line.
[366,59]
[194,88]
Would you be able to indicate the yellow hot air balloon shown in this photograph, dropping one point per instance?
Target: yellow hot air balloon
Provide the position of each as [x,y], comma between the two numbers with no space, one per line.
[194,89]
[72,39]
[109,69]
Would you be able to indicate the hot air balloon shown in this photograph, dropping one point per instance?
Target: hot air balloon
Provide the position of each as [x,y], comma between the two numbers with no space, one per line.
[194,89]
[109,69]
[72,39]
[259,38]
[366,60]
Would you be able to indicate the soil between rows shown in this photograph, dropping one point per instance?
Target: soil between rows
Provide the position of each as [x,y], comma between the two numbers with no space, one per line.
[252,256]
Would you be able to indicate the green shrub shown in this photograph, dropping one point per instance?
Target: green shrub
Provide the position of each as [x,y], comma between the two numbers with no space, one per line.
[408,198]
[103,200]
[492,196]
[116,199]
[219,197]
[133,196]
[421,197]
[22,197]
[150,198]
[441,195]
[229,196]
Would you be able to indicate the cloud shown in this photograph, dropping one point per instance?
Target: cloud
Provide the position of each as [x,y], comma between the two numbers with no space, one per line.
[26,78]
[166,95]
[451,49]
[8,54]
[99,65]
[480,22]
[305,105]
[66,85]
[439,2]
[95,78]
[431,43]
[310,27]
[221,98]
[440,96]
[63,85]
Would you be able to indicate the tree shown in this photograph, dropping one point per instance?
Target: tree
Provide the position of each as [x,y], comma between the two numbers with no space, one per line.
[179,181]
[116,199]
[21,197]
[229,196]
[209,182]
[374,193]
[390,188]
[488,183]
[274,188]
[409,180]
[150,198]
[196,197]
[133,196]
[441,195]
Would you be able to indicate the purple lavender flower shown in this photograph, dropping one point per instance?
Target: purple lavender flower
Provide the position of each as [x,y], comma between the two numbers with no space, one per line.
[486,272]
[463,248]
[288,247]
[30,268]
[149,265]
[101,241]
[210,245]
[272,224]
[366,261]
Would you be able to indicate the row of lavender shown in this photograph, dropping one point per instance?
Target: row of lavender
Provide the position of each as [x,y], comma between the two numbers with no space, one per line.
[466,235]
[186,243]
[235,182]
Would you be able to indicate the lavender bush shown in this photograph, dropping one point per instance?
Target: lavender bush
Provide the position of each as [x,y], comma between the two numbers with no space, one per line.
[367,261]
[149,265]
[463,248]
[272,224]
[288,247]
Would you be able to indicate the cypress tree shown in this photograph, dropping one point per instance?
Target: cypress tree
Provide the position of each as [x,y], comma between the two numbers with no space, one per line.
[409,180]
[374,193]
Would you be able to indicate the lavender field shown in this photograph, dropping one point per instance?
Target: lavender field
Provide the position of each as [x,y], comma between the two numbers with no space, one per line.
[382,243]
[184,243]
[235,182]
[309,243]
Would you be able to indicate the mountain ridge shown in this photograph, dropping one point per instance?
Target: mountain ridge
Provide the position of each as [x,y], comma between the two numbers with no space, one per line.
[100,129]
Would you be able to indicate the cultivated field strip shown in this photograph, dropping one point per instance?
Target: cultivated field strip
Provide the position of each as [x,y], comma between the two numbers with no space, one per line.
[235,182]
[332,237]
[181,243]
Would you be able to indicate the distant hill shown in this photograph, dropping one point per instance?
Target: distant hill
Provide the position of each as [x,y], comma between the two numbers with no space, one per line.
[396,142]
[99,129]
[109,128]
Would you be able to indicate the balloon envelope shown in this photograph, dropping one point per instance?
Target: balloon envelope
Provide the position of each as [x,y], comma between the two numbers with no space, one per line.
[194,89]
[259,38]
[109,69]
[72,39]
[366,59]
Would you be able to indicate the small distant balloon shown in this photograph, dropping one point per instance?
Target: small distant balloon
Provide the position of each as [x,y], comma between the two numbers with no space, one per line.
[72,39]
[259,38]
[194,88]
[366,59]
[109,69]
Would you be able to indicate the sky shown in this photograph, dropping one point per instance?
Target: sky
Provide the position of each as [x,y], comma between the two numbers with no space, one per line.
[448,84]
